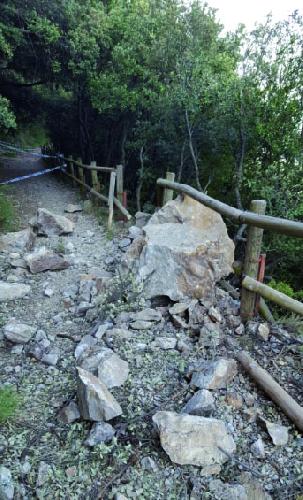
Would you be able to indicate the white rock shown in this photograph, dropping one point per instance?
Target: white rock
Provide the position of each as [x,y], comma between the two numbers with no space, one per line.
[18,333]
[277,432]
[6,484]
[96,403]
[258,448]
[147,315]
[20,240]
[13,291]
[48,292]
[263,331]
[194,440]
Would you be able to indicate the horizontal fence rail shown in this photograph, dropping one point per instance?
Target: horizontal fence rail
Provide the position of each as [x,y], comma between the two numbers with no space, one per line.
[284,226]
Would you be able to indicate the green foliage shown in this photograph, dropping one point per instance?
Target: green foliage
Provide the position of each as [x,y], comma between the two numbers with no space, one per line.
[9,401]
[7,118]
[7,212]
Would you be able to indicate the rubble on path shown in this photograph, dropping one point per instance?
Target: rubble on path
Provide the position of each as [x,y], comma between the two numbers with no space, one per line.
[50,224]
[45,260]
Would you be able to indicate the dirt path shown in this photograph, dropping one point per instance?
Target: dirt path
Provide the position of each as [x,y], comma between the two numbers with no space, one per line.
[50,459]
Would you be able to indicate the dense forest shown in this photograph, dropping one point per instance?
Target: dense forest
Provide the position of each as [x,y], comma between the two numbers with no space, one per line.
[159,85]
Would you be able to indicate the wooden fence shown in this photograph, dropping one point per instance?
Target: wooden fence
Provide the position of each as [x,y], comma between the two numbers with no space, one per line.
[257,222]
[88,177]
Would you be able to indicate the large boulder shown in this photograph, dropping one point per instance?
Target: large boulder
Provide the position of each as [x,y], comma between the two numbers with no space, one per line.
[193,440]
[44,260]
[185,250]
[13,291]
[18,241]
[49,224]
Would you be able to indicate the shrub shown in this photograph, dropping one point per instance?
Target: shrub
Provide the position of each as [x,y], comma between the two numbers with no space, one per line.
[9,401]
[7,212]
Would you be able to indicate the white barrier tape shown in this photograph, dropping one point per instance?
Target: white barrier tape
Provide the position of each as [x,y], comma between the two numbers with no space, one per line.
[19,150]
[35,174]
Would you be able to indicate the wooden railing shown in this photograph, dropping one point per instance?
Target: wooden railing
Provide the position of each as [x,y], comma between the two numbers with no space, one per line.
[76,171]
[257,222]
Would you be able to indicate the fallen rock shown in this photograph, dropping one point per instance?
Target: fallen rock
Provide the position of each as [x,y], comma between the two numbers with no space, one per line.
[277,432]
[214,374]
[86,342]
[96,403]
[223,491]
[49,224]
[147,463]
[263,331]
[13,291]
[202,404]
[141,325]
[71,209]
[69,413]
[51,356]
[258,448]
[21,240]
[45,260]
[18,333]
[134,232]
[100,433]
[112,370]
[235,400]
[165,343]
[151,315]
[193,440]
[185,251]
[6,484]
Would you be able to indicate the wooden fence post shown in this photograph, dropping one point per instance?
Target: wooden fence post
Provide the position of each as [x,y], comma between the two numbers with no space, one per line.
[119,182]
[111,199]
[94,177]
[168,194]
[251,262]
[80,172]
[71,168]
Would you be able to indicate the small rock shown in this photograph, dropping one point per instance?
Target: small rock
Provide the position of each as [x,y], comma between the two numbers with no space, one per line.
[6,484]
[48,292]
[214,374]
[20,240]
[251,327]
[214,315]
[96,403]
[277,432]
[141,325]
[51,357]
[45,260]
[124,243]
[263,331]
[240,330]
[179,308]
[193,440]
[43,473]
[225,491]
[86,342]
[101,331]
[18,333]
[147,315]
[202,404]
[100,433]
[13,291]
[258,448]
[165,343]
[147,463]
[71,209]
[69,413]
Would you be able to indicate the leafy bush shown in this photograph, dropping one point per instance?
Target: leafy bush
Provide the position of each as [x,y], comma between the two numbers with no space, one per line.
[9,401]
[7,212]
[287,289]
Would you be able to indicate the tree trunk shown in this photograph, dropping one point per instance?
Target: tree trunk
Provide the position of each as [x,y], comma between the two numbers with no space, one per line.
[140,180]
[192,150]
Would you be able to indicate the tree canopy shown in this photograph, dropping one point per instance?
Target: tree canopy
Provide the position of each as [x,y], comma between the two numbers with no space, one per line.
[158,85]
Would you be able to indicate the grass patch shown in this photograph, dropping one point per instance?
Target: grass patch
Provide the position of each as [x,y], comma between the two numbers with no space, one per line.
[7,212]
[9,401]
